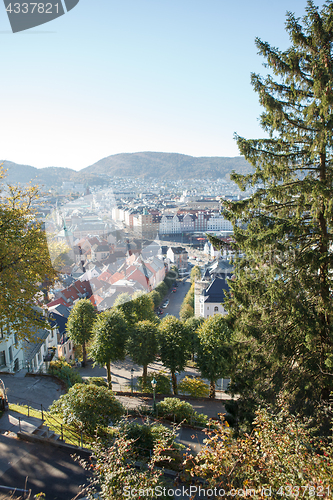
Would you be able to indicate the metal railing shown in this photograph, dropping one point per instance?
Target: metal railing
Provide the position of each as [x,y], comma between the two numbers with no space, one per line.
[66,434]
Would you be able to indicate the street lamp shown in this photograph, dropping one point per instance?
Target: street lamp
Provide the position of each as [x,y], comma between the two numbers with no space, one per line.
[132,371]
[153,384]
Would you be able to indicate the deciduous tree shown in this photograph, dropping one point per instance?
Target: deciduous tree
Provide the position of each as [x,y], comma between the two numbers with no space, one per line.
[214,350]
[174,342]
[80,323]
[25,266]
[109,340]
[142,345]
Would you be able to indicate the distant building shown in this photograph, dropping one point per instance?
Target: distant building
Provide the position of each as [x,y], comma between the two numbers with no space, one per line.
[212,298]
[179,257]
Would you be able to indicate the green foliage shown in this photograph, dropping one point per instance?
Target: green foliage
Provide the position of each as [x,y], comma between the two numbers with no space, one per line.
[189,297]
[88,407]
[147,435]
[115,475]
[194,387]
[195,274]
[193,324]
[279,454]
[156,296]
[175,409]
[281,299]
[65,372]
[80,323]
[174,342]
[214,349]
[171,276]
[99,381]
[109,339]
[140,307]
[186,312]
[163,385]
[162,289]
[25,266]
[142,344]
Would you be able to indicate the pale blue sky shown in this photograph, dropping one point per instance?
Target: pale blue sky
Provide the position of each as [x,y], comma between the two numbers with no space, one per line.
[135,75]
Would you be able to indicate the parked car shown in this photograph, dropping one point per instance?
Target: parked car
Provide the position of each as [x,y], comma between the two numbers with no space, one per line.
[174,290]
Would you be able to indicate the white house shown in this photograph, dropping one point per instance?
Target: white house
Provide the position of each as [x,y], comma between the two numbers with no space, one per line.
[11,353]
[212,298]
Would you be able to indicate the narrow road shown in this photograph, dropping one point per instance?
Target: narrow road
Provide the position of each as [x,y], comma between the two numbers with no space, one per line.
[176,299]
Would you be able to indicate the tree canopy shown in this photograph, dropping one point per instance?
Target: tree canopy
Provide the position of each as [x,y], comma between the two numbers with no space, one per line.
[109,339]
[142,345]
[26,271]
[80,323]
[214,349]
[175,346]
[281,298]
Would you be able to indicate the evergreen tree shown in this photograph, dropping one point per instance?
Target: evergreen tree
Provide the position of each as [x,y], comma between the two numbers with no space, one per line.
[281,299]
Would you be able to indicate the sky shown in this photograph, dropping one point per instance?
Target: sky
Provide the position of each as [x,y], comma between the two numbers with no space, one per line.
[125,76]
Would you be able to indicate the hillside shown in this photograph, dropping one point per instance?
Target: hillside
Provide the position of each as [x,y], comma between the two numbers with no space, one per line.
[144,165]
[168,166]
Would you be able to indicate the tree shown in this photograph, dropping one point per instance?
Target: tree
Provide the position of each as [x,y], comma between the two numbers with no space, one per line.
[214,349]
[88,407]
[80,323]
[186,312]
[139,307]
[195,274]
[281,298]
[142,345]
[174,343]
[109,340]
[193,324]
[26,271]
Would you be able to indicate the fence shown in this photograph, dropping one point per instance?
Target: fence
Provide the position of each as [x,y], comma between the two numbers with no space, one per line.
[66,433]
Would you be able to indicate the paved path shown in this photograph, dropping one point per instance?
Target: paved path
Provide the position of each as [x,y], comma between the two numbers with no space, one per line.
[40,467]
[31,390]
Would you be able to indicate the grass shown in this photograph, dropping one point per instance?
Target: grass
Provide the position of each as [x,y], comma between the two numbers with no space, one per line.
[70,434]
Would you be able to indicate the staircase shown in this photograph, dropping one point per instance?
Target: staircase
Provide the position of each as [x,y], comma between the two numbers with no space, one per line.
[44,432]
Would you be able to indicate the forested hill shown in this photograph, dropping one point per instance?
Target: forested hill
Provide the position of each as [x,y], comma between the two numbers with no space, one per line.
[163,166]
[168,166]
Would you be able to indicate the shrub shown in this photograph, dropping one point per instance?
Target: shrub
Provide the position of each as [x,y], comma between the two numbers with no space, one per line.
[88,407]
[175,409]
[280,454]
[163,385]
[63,370]
[171,407]
[99,381]
[147,435]
[194,387]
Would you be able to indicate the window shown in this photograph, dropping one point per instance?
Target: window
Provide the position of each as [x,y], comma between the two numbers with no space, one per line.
[2,358]
[216,309]
[10,352]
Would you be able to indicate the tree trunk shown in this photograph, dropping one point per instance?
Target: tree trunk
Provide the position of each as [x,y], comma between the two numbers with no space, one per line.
[212,389]
[144,375]
[108,369]
[84,354]
[174,383]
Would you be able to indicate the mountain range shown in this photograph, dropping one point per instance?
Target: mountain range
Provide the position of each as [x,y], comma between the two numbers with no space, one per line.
[162,166]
